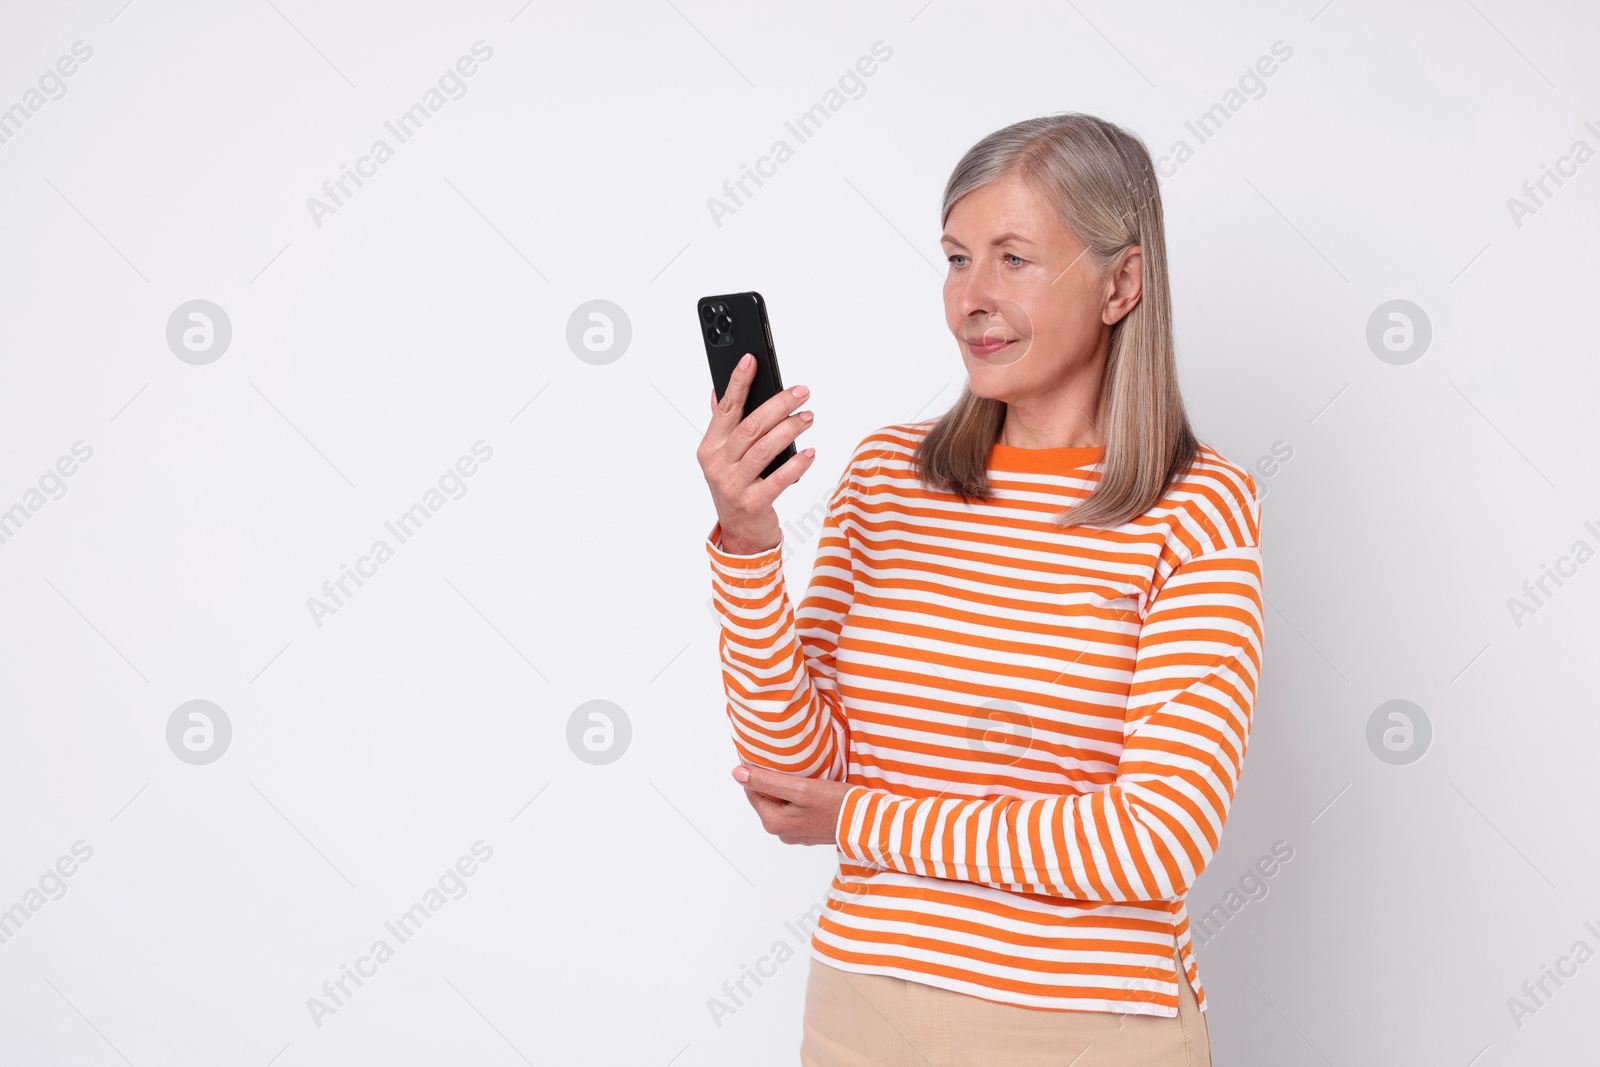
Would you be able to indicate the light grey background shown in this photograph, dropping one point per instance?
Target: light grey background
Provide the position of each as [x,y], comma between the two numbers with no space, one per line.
[431,312]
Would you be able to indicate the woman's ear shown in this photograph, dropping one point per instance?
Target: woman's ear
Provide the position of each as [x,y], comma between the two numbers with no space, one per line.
[1124,286]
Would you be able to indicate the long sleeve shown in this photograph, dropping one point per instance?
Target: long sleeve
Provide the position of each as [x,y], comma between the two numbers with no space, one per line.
[778,664]
[1148,834]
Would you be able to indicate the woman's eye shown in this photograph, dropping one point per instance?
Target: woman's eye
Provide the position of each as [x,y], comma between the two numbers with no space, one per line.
[1019,259]
[951,259]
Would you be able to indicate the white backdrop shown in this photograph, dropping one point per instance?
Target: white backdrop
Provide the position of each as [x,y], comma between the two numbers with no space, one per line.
[179,491]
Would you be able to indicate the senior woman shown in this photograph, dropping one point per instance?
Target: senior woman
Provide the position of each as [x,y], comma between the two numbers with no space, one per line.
[1017,694]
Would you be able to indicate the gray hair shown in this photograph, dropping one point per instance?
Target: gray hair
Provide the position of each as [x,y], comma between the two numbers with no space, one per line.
[1101,182]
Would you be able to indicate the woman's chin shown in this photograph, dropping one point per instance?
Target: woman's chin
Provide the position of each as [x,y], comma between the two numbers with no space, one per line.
[988,381]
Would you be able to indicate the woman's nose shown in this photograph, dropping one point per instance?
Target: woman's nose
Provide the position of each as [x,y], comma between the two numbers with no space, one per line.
[973,293]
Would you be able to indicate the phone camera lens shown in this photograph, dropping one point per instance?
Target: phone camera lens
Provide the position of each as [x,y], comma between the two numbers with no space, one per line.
[707,313]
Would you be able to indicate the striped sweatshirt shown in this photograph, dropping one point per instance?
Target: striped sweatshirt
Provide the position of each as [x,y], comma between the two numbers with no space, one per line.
[1042,727]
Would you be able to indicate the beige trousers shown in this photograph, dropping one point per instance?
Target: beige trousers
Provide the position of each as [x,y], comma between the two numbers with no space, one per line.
[874,1020]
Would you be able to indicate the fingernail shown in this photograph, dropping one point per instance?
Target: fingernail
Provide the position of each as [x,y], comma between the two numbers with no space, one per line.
[746,360]
[800,391]
[741,774]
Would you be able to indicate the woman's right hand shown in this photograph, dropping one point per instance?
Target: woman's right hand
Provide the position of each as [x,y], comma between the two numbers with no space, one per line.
[735,451]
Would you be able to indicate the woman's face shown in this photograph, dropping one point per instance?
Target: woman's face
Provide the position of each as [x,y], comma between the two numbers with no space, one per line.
[1026,307]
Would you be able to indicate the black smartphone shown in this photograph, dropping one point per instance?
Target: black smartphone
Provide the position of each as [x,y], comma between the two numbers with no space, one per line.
[732,325]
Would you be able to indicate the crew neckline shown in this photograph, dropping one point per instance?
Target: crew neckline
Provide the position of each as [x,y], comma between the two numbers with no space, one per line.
[1044,460]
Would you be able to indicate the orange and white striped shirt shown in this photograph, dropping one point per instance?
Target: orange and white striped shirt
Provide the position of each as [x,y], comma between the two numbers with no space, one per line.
[1043,726]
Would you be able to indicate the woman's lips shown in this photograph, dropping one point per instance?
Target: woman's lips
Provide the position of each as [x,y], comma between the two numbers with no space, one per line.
[983,349]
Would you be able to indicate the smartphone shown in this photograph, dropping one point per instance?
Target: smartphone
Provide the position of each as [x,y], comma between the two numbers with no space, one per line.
[732,325]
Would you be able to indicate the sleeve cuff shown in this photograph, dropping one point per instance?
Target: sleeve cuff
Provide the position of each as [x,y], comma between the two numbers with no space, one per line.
[746,567]
[843,833]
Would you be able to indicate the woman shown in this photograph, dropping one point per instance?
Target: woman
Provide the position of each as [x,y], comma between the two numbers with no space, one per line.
[1017,694]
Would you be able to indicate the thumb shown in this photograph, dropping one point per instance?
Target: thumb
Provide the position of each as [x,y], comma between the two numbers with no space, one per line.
[772,783]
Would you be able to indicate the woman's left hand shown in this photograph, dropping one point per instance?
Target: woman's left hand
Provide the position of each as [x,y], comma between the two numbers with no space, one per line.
[799,810]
